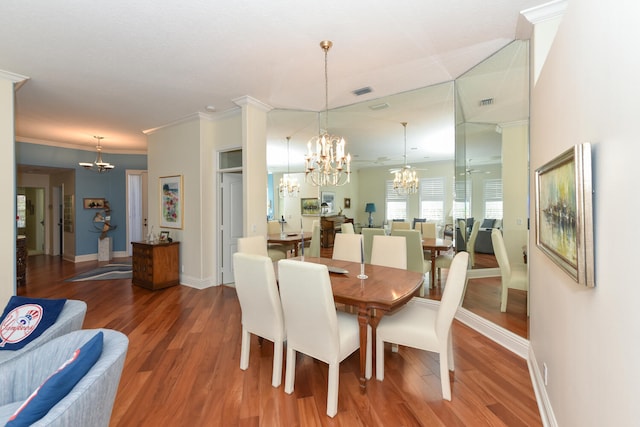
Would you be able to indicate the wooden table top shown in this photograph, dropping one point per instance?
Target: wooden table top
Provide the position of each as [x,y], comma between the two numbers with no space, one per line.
[436,244]
[288,238]
[385,289]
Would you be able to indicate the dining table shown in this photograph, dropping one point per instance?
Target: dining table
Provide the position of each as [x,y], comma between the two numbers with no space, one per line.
[289,239]
[384,290]
[435,245]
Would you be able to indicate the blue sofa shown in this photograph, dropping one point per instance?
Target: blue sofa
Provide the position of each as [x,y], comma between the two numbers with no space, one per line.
[70,319]
[89,403]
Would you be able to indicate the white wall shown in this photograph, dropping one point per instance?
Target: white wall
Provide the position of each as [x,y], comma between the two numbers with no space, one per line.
[8,212]
[588,91]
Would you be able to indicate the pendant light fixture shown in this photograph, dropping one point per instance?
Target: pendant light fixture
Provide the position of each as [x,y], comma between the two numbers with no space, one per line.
[326,162]
[100,165]
[289,186]
[405,181]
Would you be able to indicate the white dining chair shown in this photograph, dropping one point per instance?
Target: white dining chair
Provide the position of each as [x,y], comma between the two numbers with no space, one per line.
[400,225]
[389,251]
[313,325]
[426,326]
[367,237]
[347,228]
[257,290]
[314,246]
[471,246]
[257,245]
[348,247]
[415,254]
[428,229]
[513,276]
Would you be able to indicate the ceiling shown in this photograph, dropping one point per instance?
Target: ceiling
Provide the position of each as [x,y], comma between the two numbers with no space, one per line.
[118,68]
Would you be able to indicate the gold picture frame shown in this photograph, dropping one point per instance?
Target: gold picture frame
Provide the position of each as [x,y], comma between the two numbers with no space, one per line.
[171,202]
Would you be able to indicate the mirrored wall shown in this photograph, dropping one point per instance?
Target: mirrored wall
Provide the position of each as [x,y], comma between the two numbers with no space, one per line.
[472,133]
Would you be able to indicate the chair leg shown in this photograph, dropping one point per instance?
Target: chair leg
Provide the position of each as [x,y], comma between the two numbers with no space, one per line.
[290,375]
[332,391]
[244,349]
[276,377]
[505,294]
[444,375]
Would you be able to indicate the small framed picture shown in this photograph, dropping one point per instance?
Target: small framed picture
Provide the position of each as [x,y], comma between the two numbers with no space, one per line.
[347,203]
[93,203]
[164,236]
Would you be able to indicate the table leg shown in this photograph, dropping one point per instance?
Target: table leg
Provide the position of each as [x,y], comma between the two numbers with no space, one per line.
[432,284]
[363,320]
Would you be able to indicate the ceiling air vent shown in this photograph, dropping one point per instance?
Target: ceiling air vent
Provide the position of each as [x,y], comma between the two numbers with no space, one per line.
[486,102]
[377,107]
[362,91]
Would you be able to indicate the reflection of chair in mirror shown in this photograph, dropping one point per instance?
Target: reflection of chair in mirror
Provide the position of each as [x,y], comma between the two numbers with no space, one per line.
[447,232]
[255,282]
[347,228]
[416,221]
[367,236]
[314,246]
[513,276]
[313,325]
[428,229]
[399,225]
[257,245]
[415,255]
[274,227]
[348,247]
[472,243]
[426,327]
[389,251]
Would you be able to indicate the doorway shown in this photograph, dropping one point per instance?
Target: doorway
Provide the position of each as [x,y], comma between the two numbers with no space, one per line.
[232,221]
[34,221]
[137,207]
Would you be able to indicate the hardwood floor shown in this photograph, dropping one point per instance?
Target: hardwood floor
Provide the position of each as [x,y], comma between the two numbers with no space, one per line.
[182,367]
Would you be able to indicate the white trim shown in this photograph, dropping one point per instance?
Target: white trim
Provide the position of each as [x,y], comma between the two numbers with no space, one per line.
[540,390]
[248,100]
[187,119]
[505,338]
[546,11]
[196,283]
[73,146]
[482,273]
[94,257]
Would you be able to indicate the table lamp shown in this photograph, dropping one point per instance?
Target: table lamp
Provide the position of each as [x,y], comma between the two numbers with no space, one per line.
[370,208]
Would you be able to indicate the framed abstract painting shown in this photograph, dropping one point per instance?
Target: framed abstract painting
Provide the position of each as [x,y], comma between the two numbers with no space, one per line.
[564,214]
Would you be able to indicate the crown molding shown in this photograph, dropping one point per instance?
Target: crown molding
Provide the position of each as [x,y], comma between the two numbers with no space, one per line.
[247,100]
[17,79]
[72,146]
[545,11]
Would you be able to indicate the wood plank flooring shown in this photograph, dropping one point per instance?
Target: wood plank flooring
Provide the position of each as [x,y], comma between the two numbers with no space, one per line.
[182,367]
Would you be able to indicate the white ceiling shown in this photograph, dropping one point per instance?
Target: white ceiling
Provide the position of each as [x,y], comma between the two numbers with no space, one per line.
[120,67]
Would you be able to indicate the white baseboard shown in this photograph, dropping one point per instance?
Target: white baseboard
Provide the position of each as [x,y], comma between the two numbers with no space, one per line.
[193,282]
[544,404]
[507,339]
[94,257]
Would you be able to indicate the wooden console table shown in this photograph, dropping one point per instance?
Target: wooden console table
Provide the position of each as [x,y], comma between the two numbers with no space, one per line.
[155,265]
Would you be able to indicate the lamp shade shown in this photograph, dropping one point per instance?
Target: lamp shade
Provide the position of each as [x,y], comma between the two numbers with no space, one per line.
[370,207]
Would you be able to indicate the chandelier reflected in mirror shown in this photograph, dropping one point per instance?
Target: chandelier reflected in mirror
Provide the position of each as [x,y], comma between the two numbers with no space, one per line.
[406,180]
[289,186]
[326,161]
[99,164]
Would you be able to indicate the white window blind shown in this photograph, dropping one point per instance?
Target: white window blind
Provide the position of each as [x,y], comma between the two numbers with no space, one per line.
[432,199]
[396,204]
[462,206]
[493,198]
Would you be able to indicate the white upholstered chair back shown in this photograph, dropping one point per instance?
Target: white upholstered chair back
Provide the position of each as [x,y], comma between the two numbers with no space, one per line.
[262,315]
[389,251]
[347,247]
[367,237]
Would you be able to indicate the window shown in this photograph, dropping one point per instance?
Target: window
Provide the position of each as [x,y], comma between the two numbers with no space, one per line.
[396,204]
[22,211]
[432,199]
[493,198]
[462,206]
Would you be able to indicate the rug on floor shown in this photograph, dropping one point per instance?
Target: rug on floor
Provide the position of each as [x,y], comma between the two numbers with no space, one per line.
[106,272]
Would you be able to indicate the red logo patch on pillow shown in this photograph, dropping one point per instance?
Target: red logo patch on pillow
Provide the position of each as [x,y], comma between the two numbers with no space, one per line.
[20,323]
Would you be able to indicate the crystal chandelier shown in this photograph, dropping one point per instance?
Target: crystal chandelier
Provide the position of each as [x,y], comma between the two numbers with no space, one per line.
[328,165]
[405,181]
[101,166]
[289,186]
